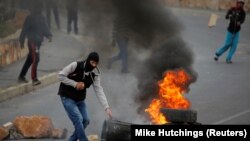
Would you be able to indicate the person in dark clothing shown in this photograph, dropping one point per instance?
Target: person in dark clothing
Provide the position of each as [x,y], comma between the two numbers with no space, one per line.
[236,15]
[72,15]
[35,29]
[52,6]
[75,79]
[120,36]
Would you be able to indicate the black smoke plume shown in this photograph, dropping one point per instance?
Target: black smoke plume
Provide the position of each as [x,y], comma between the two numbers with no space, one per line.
[152,28]
[155,29]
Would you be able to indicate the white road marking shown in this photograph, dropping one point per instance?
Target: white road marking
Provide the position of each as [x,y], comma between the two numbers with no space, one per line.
[232,117]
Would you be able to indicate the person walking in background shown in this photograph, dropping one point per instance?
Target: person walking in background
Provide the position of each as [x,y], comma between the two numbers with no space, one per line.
[120,37]
[75,79]
[52,6]
[236,15]
[72,15]
[35,29]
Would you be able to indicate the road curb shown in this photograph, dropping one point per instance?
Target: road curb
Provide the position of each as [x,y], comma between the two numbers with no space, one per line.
[24,88]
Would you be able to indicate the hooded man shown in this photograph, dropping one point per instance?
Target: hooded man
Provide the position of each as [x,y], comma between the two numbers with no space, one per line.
[75,79]
[236,15]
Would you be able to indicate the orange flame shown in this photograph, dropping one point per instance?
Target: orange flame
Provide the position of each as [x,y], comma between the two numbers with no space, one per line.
[171,95]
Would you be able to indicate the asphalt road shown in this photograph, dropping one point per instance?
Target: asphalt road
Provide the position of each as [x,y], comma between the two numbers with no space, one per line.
[220,95]
[222,91]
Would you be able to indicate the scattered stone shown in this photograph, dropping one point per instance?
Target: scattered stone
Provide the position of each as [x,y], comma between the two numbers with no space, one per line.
[59,133]
[34,126]
[3,133]
[8,125]
[14,134]
[93,138]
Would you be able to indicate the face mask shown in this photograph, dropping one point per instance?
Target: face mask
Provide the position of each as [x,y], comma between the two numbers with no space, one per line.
[88,67]
[92,56]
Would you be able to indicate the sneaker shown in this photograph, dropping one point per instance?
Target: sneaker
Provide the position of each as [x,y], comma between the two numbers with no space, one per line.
[216,58]
[229,62]
[36,82]
[22,80]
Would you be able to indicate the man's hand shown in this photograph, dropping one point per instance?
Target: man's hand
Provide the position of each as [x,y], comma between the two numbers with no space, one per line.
[80,86]
[109,113]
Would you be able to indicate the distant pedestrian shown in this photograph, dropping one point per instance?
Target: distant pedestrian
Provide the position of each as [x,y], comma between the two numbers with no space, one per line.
[52,6]
[35,29]
[236,15]
[75,79]
[72,15]
[120,37]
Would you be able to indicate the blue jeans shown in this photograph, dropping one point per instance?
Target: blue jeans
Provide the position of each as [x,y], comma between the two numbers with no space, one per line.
[231,42]
[77,112]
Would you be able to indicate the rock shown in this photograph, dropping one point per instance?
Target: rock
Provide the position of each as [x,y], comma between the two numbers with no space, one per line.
[93,138]
[14,134]
[8,125]
[34,126]
[3,133]
[212,20]
[59,133]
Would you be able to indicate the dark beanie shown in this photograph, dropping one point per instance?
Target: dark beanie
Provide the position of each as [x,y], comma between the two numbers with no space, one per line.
[93,56]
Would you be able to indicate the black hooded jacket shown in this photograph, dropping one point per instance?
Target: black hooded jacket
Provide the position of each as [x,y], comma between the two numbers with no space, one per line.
[35,29]
[78,76]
